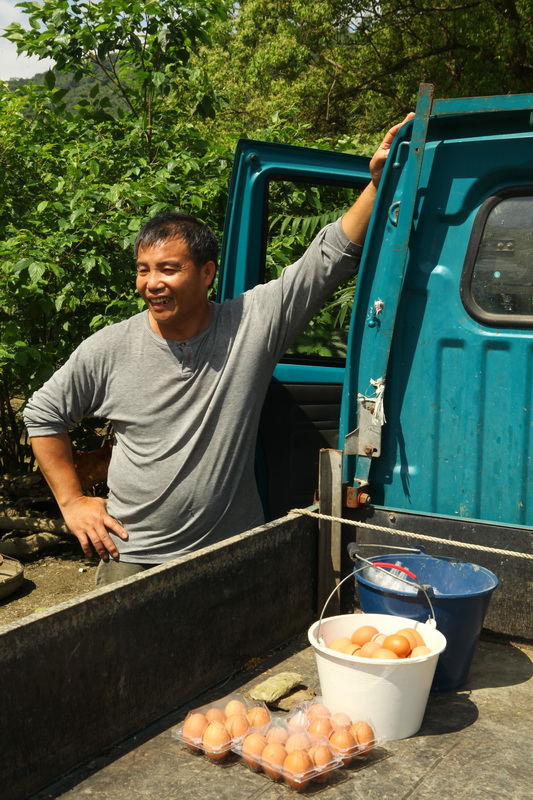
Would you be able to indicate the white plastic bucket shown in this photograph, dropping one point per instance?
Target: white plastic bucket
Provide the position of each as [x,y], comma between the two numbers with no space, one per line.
[391,694]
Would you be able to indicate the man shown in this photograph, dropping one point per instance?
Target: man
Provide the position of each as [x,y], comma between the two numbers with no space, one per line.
[183,384]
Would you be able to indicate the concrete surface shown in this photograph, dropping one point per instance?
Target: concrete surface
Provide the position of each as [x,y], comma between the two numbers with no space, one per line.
[474,744]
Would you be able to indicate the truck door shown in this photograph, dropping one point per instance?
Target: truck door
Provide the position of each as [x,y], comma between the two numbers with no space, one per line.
[442,329]
[280,196]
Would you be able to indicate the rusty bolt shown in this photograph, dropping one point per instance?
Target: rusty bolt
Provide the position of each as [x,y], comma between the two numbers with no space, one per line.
[363,499]
[368,450]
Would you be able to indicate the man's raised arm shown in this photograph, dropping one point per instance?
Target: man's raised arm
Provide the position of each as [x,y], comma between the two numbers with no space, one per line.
[355,221]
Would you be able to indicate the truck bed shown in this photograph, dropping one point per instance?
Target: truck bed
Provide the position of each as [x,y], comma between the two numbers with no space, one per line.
[92,687]
[474,743]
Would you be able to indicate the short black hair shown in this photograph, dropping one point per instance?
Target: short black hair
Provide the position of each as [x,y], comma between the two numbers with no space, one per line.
[199,238]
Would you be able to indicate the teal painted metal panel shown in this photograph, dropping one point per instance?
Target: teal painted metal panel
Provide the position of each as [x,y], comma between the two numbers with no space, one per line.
[458,434]
[255,164]
[243,245]
[482,105]
[308,373]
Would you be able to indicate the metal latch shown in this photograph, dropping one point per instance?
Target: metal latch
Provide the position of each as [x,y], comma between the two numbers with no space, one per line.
[365,440]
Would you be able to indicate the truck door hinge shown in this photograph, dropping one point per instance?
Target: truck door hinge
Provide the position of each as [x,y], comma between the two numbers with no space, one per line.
[365,440]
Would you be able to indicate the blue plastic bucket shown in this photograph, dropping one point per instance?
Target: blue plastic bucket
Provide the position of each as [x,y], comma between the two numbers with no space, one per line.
[460,596]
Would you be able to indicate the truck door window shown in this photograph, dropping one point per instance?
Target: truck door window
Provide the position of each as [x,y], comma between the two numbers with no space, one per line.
[497,283]
[296,212]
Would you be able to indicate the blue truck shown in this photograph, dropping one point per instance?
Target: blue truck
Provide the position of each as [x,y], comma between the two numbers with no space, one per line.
[430,411]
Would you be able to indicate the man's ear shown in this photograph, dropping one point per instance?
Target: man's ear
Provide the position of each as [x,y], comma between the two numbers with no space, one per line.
[208,272]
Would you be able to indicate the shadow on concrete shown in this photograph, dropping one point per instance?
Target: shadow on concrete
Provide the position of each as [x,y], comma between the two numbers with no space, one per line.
[448,712]
[498,664]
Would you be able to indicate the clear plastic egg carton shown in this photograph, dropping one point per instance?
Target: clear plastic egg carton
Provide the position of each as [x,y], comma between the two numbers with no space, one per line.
[306,747]
[214,729]
[295,759]
[348,738]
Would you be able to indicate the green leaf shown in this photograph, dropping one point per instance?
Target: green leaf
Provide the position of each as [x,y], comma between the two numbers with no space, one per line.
[50,79]
[20,265]
[158,78]
[36,271]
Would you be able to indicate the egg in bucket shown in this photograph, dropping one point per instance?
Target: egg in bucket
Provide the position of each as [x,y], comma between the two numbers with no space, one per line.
[460,594]
[391,694]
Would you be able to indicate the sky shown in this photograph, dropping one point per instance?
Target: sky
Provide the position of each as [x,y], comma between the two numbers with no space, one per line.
[11,65]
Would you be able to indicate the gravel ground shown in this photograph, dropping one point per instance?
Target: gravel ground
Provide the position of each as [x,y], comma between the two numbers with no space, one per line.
[62,574]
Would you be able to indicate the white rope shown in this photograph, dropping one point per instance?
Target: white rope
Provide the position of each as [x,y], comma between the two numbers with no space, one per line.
[378,416]
[317,515]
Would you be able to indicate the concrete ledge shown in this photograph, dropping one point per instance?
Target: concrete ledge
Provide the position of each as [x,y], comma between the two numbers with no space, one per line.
[90,672]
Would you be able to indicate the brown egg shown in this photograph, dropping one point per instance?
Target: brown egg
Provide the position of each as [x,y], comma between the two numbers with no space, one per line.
[419,638]
[235,707]
[384,653]
[320,728]
[323,761]
[193,730]
[343,745]
[352,650]
[421,650]
[368,650]
[252,749]
[298,769]
[340,645]
[237,725]
[363,634]
[272,759]
[318,710]
[398,644]
[379,638]
[216,741]
[298,722]
[410,635]
[298,741]
[215,715]
[277,733]
[340,720]
[258,716]
[364,736]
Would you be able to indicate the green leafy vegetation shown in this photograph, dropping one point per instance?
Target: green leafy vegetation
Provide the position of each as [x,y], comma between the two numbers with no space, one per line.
[142,112]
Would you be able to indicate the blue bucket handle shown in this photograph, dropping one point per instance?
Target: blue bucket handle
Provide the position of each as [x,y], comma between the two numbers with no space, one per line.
[353,548]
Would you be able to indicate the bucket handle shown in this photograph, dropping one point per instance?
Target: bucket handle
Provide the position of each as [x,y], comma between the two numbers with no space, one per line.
[380,566]
[353,548]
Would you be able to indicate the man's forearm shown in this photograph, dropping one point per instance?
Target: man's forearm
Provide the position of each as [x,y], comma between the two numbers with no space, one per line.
[86,517]
[54,456]
[355,221]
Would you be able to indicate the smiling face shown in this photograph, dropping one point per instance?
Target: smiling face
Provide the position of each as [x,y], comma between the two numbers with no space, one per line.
[174,289]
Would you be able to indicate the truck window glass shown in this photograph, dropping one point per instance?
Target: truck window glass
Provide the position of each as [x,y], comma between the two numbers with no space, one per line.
[498,278]
[296,212]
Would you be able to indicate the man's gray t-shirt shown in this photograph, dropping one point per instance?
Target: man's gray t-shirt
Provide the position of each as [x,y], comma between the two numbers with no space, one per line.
[185,414]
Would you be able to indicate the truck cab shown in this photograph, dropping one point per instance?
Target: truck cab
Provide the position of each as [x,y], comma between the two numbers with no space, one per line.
[427,401]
